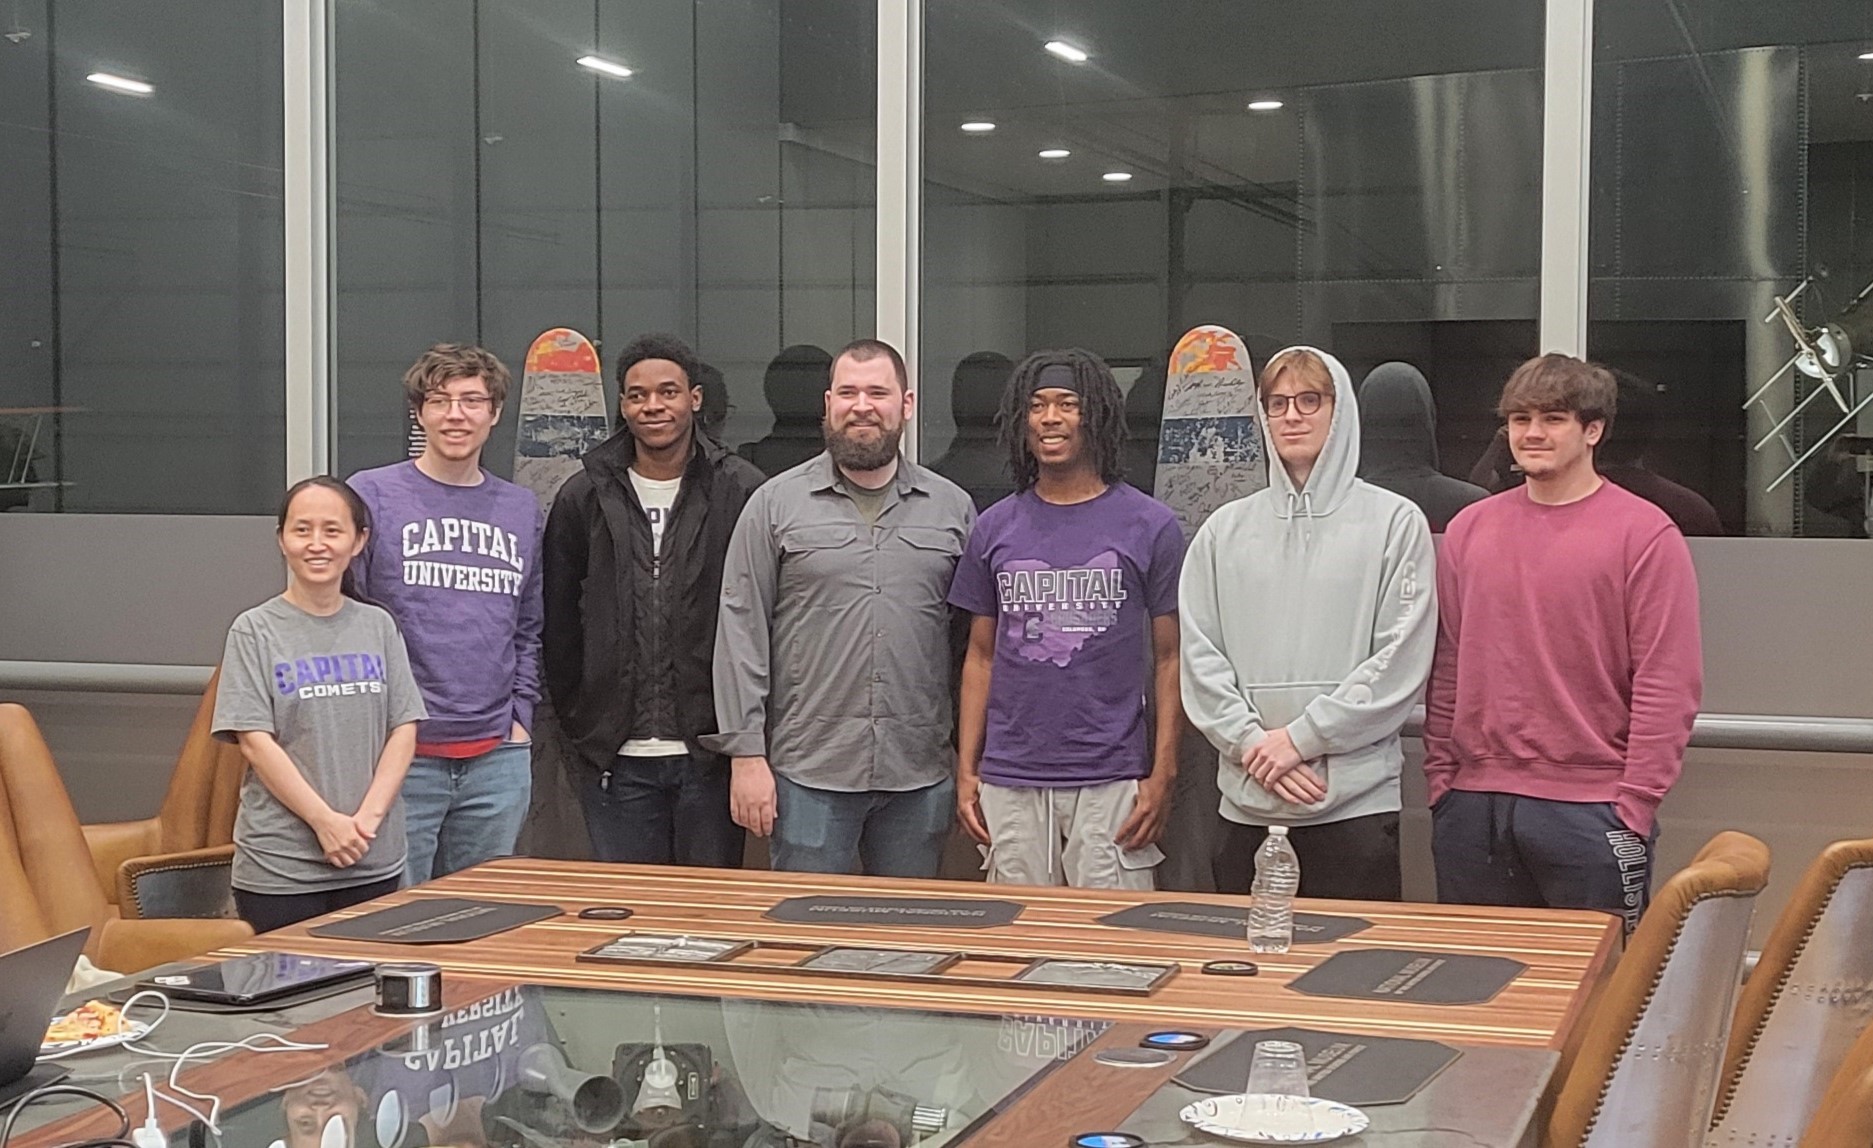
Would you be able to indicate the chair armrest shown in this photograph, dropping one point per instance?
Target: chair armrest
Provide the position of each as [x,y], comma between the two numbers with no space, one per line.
[191,884]
[130,946]
[115,842]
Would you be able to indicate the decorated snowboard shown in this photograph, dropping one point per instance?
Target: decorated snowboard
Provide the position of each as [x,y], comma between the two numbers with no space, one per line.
[1209,452]
[1209,447]
[562,411]
[415,435]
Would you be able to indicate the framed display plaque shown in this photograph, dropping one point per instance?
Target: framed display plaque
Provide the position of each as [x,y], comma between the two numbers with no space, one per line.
[848,960]
[667,949]
[1096,976]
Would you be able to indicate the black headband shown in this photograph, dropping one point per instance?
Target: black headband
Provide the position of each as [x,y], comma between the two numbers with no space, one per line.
[1056,375]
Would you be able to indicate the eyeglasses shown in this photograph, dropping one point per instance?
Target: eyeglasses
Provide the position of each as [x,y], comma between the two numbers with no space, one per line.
[470,404]
[1307,402]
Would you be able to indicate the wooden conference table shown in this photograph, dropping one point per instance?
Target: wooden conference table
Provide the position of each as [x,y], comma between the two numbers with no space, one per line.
[1566,953]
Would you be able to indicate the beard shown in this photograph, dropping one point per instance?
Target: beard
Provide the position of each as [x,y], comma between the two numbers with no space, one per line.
[853,453]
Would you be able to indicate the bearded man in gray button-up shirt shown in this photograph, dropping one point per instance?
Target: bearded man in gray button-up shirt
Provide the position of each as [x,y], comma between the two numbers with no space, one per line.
[833,663]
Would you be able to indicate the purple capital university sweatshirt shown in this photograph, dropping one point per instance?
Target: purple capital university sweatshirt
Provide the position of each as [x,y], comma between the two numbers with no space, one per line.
[458,567]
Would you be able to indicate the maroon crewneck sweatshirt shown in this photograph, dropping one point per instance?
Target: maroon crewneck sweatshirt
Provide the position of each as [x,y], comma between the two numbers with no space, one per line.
[1569,662]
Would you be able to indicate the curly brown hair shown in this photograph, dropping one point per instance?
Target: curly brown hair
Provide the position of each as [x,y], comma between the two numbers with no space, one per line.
[444,363]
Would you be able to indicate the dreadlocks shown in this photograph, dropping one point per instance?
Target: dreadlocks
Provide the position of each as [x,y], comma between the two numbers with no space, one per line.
[1102,414]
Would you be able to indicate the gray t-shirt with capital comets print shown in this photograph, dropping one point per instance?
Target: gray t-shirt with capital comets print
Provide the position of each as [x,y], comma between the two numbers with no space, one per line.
[330,690]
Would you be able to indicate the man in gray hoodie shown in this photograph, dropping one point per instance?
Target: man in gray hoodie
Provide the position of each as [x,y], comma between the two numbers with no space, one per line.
[1309,617]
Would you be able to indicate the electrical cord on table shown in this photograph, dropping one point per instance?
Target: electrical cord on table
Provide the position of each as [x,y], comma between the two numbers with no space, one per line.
[120,1140]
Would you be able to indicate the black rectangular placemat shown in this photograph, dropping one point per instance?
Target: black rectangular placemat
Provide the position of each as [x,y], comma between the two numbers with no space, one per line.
[898,912]
[1363,1071]
[437,921]
[1404,975]
[1207,919]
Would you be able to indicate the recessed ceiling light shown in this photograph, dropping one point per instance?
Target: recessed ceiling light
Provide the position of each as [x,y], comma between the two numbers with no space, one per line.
[978,127]
[1053,153]
[1066,51]
[1116,176]
[598,64]
[1866,55]
[120,84]
[1265,105]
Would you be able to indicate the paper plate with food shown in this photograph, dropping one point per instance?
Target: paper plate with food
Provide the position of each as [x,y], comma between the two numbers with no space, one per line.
[92,1025]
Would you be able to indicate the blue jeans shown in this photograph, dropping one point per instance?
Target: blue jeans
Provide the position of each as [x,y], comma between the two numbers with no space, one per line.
[661,811]
[894,834]
[463,811]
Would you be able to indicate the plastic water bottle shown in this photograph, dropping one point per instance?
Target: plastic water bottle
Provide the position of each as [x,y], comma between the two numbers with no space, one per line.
[1277,879]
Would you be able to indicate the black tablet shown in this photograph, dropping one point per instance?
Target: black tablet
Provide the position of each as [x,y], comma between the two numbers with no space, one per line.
[258,978]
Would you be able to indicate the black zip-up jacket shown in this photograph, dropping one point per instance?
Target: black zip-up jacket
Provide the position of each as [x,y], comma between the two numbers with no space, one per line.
[629,639]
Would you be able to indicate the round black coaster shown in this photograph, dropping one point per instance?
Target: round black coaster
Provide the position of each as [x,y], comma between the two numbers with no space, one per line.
[1106,1140]
[1232,968]
[1172,1041]
[604,913]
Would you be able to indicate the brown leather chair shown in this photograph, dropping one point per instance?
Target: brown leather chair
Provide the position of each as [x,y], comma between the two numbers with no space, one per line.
[197,813]
[1643,1073]
[48,884]
[1810,996]
[1845,1117]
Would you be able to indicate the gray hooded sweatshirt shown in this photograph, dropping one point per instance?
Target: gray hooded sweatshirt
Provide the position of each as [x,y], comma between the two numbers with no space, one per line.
[1313,610]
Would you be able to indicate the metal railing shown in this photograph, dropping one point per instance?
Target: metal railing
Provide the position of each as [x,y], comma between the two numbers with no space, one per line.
[1713,731]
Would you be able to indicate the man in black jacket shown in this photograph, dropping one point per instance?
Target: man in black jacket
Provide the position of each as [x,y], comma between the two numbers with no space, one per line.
[633,576]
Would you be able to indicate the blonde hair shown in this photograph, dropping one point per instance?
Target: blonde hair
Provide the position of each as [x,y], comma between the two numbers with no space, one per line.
[1302,361]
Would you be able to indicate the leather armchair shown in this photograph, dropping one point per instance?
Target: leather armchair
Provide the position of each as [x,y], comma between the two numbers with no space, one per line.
[1845,1116]
[1809,999]
[197,811]
[1643,1071]
[48,882]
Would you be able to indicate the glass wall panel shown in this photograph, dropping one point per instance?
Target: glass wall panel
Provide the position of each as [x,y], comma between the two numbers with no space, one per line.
[142,322]
[1733,161]
[489,188]
[1374,191]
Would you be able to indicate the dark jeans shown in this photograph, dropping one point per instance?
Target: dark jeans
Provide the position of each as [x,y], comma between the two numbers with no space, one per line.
[894,834]
[661,811]
[1501,849]
[269,911]
[1351,860]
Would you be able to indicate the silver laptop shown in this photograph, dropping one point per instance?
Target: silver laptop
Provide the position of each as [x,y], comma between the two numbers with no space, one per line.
[32,980]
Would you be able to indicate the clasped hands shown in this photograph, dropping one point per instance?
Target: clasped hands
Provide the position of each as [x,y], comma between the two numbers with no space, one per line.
[1276,766]
[345,838]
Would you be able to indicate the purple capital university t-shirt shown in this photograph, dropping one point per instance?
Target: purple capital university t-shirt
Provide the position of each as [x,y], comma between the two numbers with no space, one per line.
[1073,589]
[458,567]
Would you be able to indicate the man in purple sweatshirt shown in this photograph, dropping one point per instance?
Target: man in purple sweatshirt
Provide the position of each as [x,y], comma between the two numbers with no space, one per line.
[454,556]
[1568,669]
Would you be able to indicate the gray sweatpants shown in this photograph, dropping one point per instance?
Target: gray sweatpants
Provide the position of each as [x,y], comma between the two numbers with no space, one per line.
[1501,849]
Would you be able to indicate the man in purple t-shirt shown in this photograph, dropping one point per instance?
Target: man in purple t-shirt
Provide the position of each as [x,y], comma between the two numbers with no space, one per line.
[1073,583]
[454,556]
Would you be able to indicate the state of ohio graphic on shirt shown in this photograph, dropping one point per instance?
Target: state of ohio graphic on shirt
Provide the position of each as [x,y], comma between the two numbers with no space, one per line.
[1072,589]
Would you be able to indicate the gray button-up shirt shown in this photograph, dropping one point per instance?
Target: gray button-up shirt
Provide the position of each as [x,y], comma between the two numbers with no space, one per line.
[832,653]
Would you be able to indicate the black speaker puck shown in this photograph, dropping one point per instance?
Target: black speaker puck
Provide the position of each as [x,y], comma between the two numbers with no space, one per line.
[1232,968]
[604,913]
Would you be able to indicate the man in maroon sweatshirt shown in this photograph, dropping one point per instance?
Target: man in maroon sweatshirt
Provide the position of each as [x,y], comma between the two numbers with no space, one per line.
[1568,670]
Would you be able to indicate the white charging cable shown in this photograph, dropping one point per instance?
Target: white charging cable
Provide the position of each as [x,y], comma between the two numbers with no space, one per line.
[261,1042]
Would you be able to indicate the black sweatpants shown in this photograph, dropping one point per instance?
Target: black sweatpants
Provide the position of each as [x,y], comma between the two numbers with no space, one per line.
[269,911]
[1501,849]
[1351,860]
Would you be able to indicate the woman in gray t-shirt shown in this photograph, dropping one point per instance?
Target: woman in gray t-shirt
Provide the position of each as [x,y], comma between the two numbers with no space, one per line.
[316,689]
